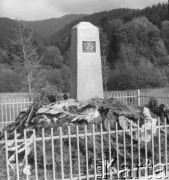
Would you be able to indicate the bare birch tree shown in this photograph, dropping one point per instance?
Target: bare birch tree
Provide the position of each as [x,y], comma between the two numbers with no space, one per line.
[104,51]
[27,61]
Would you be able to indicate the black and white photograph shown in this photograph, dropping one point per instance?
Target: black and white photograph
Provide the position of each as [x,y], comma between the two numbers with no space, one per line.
[84,89]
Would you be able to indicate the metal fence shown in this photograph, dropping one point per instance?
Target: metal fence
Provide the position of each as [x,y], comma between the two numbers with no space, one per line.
[126,97]
[10,108]
[145,97]
[138,97]
[87,152]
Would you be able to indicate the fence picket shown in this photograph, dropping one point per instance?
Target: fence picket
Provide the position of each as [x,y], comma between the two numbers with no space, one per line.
[10,118]
[17,108]
[86,147]
[109,141]
[44,153]
[13,117]
[131,139]
[117,148]
[159,139]
[53,154]
[21,104]
[102,150]
[26,158]
[124,145]
[94,150]
[70,153]
[152,137]
[16,152]
[166,165]
[145,135]
[2,112]
[35,154]
[78,151]
[138,134]
[6,153]
[6,113]
[61,152]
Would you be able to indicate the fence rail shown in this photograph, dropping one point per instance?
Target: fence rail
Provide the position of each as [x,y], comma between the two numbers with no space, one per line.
[87,152]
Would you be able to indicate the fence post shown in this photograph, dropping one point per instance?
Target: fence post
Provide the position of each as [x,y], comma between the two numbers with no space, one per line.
[138,97]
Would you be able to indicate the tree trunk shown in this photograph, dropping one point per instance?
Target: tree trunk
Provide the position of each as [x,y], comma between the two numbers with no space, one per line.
[30,85]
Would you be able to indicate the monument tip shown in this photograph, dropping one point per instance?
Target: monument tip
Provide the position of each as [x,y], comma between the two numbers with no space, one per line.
[84,25]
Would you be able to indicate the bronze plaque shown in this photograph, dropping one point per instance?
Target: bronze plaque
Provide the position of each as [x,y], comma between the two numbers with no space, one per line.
[89,46]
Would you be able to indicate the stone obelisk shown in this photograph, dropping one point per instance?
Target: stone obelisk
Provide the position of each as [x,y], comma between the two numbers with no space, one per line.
[86,70]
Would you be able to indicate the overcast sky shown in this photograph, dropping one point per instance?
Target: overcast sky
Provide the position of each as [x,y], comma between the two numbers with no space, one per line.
[45,9]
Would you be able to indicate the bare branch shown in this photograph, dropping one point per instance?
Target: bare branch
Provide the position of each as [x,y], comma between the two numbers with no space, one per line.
[29,37]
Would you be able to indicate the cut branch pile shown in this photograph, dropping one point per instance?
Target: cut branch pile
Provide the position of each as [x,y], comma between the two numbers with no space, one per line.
[71,111]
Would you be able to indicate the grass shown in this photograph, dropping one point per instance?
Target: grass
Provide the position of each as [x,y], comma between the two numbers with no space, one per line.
[13,95]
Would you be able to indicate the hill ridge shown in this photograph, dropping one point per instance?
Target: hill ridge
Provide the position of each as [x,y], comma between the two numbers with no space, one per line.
[47,27]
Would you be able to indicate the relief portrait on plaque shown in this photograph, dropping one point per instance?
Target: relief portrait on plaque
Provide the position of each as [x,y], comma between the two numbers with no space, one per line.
[89,46]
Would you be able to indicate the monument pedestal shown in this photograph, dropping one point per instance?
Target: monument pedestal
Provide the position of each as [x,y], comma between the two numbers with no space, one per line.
[86,71]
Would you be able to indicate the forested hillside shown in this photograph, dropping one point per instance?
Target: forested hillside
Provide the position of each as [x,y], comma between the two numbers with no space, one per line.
[46,28]
[135,44]
[7,32]
[134,48]
[51,73]
[155,14]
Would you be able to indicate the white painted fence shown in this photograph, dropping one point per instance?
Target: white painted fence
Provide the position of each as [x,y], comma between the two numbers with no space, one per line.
[126,97]
[10,108]
[138,97]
